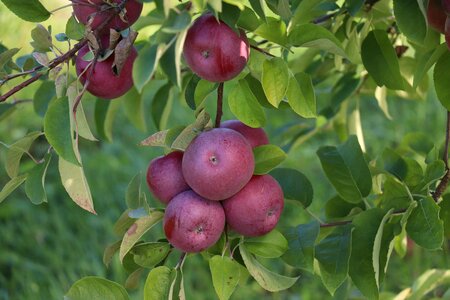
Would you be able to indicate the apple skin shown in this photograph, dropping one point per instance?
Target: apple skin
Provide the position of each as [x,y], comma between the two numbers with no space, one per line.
[436,15]
[83,9]
[446,6]
[447,32]
[192,223]
[218,163]
[103,82]
[214,51]
[164,177]
[255,136]
[256,209]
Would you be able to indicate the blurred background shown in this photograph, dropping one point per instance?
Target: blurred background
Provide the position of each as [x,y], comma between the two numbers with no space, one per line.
[44,249]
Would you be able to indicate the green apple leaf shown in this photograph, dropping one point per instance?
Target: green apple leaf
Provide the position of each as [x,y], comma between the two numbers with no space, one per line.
[275,80]
[157,285]
[225,274]
[267,157]
[11,186]
[244,105]
[28,10]
[149,255]
[270,245]
[92,288]
[16,151]
[296,186]
[34,186]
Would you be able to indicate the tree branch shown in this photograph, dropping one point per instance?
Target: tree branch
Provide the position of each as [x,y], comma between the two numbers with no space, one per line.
[219,112]
[262,50]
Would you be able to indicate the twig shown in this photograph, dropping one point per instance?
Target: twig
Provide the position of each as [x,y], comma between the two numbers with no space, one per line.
[219,105]
[262,50]
[446,178]
[180,261]
[324,18]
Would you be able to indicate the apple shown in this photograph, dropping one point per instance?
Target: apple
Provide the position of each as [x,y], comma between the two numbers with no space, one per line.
[256,209]
[446,6]
[99,11]
[255,136]
[447,32]
[436,15]
[192,223]
[214,51]
[164,177]
[104,83]
[218,163]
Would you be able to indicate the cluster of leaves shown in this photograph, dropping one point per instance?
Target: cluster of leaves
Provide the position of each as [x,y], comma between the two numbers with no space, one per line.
[318,57]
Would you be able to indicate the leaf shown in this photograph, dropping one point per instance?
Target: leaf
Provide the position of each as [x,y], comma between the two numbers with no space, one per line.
[42,97]
[395,194]
[258,7]
[7,55]
[426,61]
[81,122]
[134,109]
[300,95]
[410,20]
[267,157]
[16,151]
[134,279]
[105,112]
[275,80]
[58,131]
[380,60]
[145,65]
[76,185]
[268,280]
[444,214]
[225,274]
[42,40]
[11,186]
[163,138]
[270,245]
[337,208]
[427,282]
[315,36]
[28,10]
[441,78]
[109,252]
[244,105]
[149,255]
[137,230]
[301,241]
[34,186]
[133,193]
[161,103]
[382,248]
[158,283]
[347,170]
[273,30]
[190,132]
[74,29]
[424,225]
[123,223]
[394,163]
[333,255]
[92,288]
[295,185]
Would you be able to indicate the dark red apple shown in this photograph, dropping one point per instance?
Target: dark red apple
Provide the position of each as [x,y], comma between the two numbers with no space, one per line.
[104,83]
[436,15]
[218,163]
[447,32]
[256,209]
[214,51]
[192,223]
[255,136]
[164,177]
[99,11]
[446,6]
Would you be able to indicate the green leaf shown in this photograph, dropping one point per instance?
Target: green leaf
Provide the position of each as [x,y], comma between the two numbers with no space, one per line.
[347,170]
[74,29]
[189,93]
[301,241]
[190,132]
[149,255]
[163,138]
[337,208]
[394,163]
[441,78]
[426,61]
[270,245]
[109,252]
[42,40]
[225,274]
[267,157]
[58,131]
[333,255]
[444,214]
[315,36]
[133,194]
[16,151]
[123,223]
[296,186]
[76,185]
[202,90]
[244,105]
[42,97]
[161,105]
[353,6]
[273,30]
[275,80]
[11,186]
[381,61]
[81,122]
[93,288]
[258,7]
[382,248]
[137,230]
[34,186]
[134,109]
[395,194]
[28,10]
[300,95]
[424,225]
[170,62]
[410,20]
[427,282]
[6,56]
[268,280]
[145,64]
[158,283]
[105,112]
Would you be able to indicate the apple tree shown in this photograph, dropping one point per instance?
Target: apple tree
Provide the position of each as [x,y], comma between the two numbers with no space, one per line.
[222,186]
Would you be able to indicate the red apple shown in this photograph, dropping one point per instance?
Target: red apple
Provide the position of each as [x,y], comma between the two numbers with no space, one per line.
[192,223]
[164,177]
[255,136]
[214,51]
[104,83]
[99,11]
[256,209]
[446,6]
[218,163]
[436,15]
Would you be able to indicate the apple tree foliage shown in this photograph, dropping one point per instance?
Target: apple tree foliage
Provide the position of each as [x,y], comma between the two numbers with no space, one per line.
[313,57]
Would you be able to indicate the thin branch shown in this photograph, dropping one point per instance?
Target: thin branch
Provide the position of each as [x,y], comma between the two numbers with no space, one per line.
[219,112]
[334,224]
[180,261]
[262,50]
[446,178]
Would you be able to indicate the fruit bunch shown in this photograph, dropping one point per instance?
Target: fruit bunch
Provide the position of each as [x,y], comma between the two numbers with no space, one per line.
[438,15]
[212,184]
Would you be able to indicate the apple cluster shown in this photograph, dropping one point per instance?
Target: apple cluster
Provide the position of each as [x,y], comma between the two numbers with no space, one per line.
[438,15]
[105,81]
[212,184]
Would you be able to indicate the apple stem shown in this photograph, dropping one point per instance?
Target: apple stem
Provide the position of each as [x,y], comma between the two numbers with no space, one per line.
[446,178]
[219,105]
